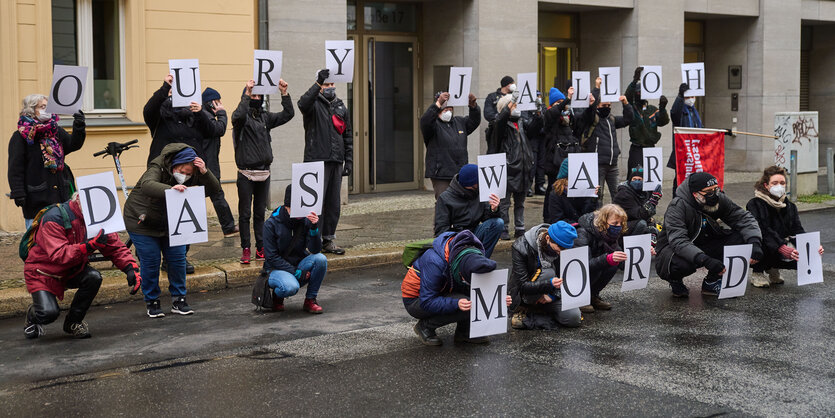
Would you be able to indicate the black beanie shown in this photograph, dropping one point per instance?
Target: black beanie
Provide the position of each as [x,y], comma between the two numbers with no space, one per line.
[700,180]
[287,195]
[506,81]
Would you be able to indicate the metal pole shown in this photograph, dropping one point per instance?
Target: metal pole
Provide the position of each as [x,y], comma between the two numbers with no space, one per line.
[793,175]
[830,171]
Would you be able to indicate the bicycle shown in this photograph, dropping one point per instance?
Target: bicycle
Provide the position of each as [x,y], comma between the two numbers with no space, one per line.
[115,150]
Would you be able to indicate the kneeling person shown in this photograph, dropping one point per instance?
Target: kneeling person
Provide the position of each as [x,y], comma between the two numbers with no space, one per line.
[293,257]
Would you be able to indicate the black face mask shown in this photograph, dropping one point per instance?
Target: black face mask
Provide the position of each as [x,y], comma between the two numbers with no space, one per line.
[711,199]
[256,103]
[329,93]
[603,112]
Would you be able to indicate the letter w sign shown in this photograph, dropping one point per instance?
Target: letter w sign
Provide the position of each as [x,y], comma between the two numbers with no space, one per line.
[488,311]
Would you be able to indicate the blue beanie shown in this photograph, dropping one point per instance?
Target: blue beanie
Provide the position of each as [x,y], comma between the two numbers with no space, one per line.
[210,94]
[185,156]
[554,95]
[468,175]
[563,234]
[563,174]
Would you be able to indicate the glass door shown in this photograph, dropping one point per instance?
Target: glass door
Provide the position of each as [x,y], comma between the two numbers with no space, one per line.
[556,61]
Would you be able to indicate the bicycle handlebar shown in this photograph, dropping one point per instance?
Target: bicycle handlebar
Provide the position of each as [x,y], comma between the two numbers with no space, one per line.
[114,148]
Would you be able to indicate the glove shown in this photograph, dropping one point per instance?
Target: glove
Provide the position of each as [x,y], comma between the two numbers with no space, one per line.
[349,168]
[79,116]
[756,251]
[713,265]
[662,102]
[134,279]
[656,196]
[322,75]
[20,201]
[637,75]
[682,88]
[784,250]
[96,243]
[298,274]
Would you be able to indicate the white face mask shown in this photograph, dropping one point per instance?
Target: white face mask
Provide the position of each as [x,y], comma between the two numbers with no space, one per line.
[181,178]
[777,191]
[511,88]
[44,116]
[690,101]
[515,113]
[446,116]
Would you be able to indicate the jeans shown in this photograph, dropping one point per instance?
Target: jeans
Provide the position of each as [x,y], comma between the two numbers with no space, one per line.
[252,201]
[439,185]
[331,202]
[518,209]
[286,284]
[608,174]
[436,320]
[45,304]
[488,233]
[148,250]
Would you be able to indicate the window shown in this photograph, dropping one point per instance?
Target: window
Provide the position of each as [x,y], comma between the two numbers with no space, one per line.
[89,33]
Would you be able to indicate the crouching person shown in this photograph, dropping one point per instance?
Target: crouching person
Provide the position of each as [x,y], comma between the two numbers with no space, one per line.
[436,288]
[534,284]
[601,231]
[639,205]
[293,256]
[58,261]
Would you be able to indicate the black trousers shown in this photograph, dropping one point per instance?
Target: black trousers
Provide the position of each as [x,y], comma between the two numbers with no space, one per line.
[332,201]
[436,320]
[45,304]
[773,259]
[252,202]
[714,248]
[600,278]
[538,170]
[224,213]
[636,156]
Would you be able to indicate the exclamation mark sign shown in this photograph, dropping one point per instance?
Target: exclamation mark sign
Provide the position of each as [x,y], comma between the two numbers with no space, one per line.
[808,258]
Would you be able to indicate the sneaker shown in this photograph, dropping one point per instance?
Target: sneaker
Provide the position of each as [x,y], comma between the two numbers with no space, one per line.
[587,309]
[259,254]
[330,247]
[505,236]
[245,256]
[189,268]
[311,306]
[759,279]
[464,337]
[154,310]
[516,320]
[530,193]
[78,330]
[600,304]
[233,233]
[540,190]
[711,288]
[679,289]
[278,304]
[30,330]
[774,276]
[426,335]
[180,306]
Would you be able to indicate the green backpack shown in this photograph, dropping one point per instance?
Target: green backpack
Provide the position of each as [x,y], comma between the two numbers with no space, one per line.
[28,239]
[414,250]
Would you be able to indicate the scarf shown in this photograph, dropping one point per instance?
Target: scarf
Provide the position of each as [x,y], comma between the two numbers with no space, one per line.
[691,117]
[47,135]
[776,204]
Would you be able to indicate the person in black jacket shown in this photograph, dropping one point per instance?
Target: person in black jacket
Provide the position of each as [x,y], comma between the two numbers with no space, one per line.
[293,248]
[445,137]
[251,126]
[779,224]
[168,124]
[684,114]
[38,175]
[534,120]
[211,148]
[638,204]
[599,134]
[328,137]
[646,119]
[602,231]
[458,208]
[559,207]
[559,133]
[507,86]
[511,134]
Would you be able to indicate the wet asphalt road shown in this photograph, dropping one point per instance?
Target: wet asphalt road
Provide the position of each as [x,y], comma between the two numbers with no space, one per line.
[768,353]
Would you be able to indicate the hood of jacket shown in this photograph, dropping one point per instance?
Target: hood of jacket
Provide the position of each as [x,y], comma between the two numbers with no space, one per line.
[167,155]
[587,223]
[683,192]
[531,234]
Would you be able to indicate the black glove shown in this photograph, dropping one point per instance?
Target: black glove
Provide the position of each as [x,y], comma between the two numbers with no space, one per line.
[134,279]
[637,75]
[756,250]
[79,116]
[20,201]
[662,102]
[682,88]
[97,242]
[322,75]
[349,168]
[712,265]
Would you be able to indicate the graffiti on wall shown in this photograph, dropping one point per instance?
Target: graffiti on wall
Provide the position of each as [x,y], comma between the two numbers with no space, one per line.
[796,131]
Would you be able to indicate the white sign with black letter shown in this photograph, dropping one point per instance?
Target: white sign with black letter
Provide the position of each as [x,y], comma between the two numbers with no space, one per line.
[574,271]
[339,59]
[187,222]
[581,80]
[67,92]
[100,203]
[610,85]
[582,174]
[637,267]
[735,280]
[266,71]
[526,86]
[694,75]
[488,309]
[810,263]
[186,85]
[653,170]
[651,82]
[308,187]
[459,86]
[492,176]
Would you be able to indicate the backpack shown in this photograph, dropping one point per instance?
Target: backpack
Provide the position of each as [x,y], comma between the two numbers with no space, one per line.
[27,241]
[414,250]
[262,293]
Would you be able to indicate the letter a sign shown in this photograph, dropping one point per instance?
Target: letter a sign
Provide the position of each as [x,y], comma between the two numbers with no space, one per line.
[582,174]
[187,223]
[266,71]
[100,204]
[492,176]
[488,312]
[186,86]
[735,279]
[339,59]
[459,86]
[526,88]
[67,93]
[308,186]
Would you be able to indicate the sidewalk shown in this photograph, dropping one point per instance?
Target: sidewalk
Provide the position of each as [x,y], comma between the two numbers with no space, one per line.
[372,229]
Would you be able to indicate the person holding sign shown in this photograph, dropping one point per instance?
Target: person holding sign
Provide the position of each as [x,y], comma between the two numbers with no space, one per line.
[458,208]
[169,124]
[559,133]
[445,137]
[601,231]
[507,86]
[328,137]
[511,135]
[692,237]
[436,288]
[216,114]
[251,126]
[646,119]
[779,224]
[639,205]
[38,175]
[598,129]
[559,207]
[177,168]
[293,257]
[57,261]
[534,284]
[683,113]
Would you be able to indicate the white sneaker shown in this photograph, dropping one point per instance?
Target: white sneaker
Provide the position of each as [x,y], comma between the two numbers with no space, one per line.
[759,279]
[774,276]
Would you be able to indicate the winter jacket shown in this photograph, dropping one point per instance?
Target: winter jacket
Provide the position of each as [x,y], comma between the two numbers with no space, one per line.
[589,235]
[458,209]
[279,232]
[563,208]
[683,223]
[526,285]
[559,138]
[603,138]
[635,204]
[145,211]
[643,130]
[776,225]
[446,142]
[60,254]
[685,116]
[490,112]
[29,179]
[512,140]
[171,125]
[211,145]
[251,133]
[323,141]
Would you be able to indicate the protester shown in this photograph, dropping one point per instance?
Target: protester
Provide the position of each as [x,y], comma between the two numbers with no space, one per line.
[534,283]
[458,208]
[177,168]
[328,137]
[293,256]
[646,119]
[692,237]
[57,261]
[683,114]
[445,137]
[510,133]
[639,205]
[436,289]
[216,115]
[599,134]
[169,124]
[251,126]
[38,174]
[559,133]
[779,224]
[559,207]
[601,231]
[534,121]
[507,86]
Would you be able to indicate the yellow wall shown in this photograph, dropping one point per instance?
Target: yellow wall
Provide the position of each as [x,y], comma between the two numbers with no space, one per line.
[220,33]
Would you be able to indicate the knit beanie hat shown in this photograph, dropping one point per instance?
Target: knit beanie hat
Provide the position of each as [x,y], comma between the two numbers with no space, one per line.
[700,180]
[563,234]
[638,170]
[506,81]
[468,175]
[185,156]
[504,101]
[563,174]
[210,94]
[554,95]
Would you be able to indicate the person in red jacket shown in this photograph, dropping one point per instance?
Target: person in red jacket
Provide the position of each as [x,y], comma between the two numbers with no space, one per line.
[58,261]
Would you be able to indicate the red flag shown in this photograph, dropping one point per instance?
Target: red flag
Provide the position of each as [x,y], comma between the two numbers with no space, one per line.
[700,152]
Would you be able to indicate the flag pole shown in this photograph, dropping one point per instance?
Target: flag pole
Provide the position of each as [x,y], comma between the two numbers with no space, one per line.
[684,130]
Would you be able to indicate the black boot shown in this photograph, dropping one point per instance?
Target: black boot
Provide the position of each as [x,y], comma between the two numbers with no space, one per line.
[427,336]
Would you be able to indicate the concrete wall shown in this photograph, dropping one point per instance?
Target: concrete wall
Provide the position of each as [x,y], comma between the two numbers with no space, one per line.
[822,85]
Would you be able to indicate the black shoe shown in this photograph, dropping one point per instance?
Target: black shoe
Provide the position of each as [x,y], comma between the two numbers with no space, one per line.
[330,247]
[505,236]
[465,338]
[154,311]
[540,190]
[78,330]
[679,289]
[189,268]
[427,336]
[31,330]
[179,305]
[519,233]
[530,193]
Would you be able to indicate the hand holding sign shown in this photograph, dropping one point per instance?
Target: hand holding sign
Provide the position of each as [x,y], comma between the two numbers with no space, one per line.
[735,278]
[574,269]
[492,176]
[809,258]
[307,190]
[637,267]
[339,59]
[459,85]
[186,210]
[487,304]
[67,92]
